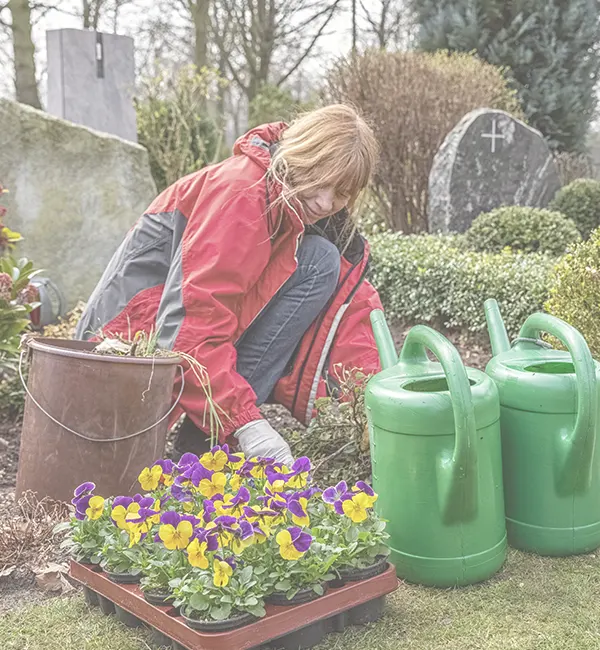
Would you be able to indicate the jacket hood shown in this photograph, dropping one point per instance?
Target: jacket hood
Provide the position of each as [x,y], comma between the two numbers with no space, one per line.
[256,143]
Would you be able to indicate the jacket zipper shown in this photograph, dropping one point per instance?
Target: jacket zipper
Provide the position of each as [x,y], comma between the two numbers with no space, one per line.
[322,318]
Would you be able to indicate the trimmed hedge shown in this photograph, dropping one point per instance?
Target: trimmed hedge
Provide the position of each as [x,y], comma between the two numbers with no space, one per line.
[431,279]
[580,201]
[575,291]
[530,230]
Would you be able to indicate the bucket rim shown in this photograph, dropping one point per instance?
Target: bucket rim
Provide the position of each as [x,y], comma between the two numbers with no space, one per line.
[83,350]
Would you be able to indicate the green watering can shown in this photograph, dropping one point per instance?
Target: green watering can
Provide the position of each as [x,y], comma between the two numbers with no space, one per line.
[435,449]
[549,416]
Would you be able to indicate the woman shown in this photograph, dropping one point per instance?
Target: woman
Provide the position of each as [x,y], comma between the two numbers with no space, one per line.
[254,268]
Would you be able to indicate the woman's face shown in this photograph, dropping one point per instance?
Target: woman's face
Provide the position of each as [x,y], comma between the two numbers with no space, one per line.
[322,203]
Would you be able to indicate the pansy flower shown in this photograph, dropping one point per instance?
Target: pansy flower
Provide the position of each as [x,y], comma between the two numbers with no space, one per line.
[215,459]
[366,489]
[297,506]
[299,474]
[196,554]
[81,505]
[235,507]
[266,518]
[242,533]
[167,466]
[95,508]
[123,506]
[207,536]
[187,459]
[81,490]
[221,573]
[181,493]
[149,477]
[335,495]
[175,532]
[214,485]
[356,507]
[293,543]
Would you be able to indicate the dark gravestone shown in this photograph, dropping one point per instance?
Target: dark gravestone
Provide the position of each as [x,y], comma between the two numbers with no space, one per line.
[488,160]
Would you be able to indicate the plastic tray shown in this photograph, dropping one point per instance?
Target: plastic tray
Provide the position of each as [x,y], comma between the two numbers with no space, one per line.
[290,628]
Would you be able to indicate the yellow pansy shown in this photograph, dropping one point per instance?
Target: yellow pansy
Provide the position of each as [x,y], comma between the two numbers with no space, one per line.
[356,507]
[176,538]
[214,462]
[287,549]
[135,533]
[196,555]
[95,508]
[222,571]
[149,477]
[214,485]
[119,514]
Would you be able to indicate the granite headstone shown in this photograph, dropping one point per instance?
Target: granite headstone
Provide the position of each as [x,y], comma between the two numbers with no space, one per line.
[91,79]
[488,160]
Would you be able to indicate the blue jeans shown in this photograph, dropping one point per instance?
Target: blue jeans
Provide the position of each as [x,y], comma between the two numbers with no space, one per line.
[266,348]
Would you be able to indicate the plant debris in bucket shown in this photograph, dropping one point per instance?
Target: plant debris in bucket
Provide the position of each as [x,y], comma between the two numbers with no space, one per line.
[142,346]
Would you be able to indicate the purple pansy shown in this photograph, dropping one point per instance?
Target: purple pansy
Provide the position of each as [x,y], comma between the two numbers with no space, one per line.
[171,518]
[242,496]
[335,495]
[166,464]
[301,465]
[295,507]
[122,501]
[83,489]
[208,536]
[300,539]
[187,459]
[366,488]
[180,493]
[225,522]
[81,506]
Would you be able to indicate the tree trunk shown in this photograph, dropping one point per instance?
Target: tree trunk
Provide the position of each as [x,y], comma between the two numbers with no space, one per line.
[200,16]
[25,82]
[354,27]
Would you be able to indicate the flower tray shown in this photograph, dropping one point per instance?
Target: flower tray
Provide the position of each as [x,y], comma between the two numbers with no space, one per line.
[289,628]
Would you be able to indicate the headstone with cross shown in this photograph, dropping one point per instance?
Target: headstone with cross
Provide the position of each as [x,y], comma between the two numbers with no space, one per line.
[488,160]
[91,79]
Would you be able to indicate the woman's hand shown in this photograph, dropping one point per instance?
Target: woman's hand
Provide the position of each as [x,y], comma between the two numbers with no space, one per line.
[258,438]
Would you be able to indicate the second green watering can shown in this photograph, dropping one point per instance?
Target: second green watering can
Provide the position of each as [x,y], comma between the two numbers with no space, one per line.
[549,422]
[435,449]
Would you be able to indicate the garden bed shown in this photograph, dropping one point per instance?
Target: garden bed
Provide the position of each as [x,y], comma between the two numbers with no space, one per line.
[292,628]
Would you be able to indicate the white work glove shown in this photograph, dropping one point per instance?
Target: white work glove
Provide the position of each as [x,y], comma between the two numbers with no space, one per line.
[258,438]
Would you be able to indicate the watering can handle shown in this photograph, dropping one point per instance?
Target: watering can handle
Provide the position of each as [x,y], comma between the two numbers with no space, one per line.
[578,447]
[459,470]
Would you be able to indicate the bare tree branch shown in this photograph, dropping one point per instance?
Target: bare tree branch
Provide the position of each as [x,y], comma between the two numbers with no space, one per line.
[264,30]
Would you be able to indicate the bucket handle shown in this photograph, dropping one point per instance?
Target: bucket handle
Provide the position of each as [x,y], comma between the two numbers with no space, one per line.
[457,472]
[575,451]
[81,435]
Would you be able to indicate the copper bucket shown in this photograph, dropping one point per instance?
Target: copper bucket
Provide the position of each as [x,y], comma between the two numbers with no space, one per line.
[91,417]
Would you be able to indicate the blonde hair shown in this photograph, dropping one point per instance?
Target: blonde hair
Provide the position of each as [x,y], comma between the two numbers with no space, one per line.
[331,146]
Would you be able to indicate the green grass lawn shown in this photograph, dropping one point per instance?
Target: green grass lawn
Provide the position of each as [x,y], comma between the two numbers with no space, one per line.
[533,604]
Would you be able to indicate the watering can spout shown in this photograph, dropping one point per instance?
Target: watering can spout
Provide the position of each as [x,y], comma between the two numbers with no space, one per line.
[496,329]
[383,339]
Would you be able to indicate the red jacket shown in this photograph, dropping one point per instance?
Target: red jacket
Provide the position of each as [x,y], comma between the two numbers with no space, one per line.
[201,264]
